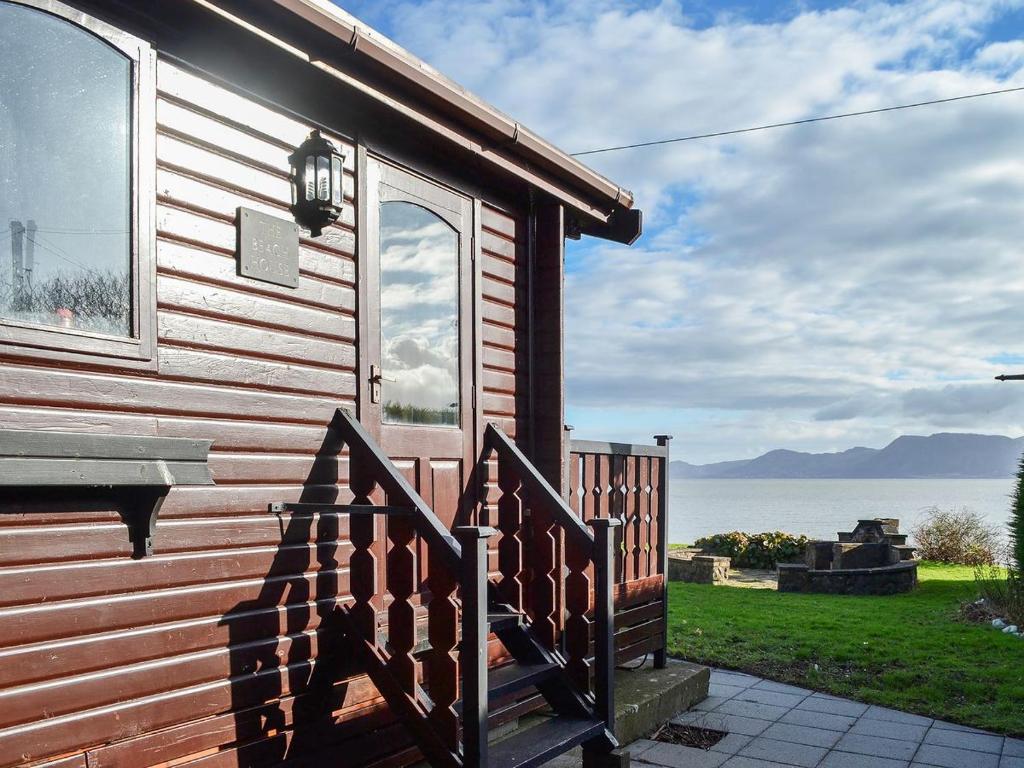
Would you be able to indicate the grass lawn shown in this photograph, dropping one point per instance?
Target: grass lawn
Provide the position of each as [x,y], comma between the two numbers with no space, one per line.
[910,652]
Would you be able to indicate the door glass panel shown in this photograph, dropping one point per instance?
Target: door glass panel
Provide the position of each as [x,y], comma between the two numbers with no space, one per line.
[65,175]
[419,316]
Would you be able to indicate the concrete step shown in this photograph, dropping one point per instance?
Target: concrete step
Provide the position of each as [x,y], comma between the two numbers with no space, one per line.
[646,698]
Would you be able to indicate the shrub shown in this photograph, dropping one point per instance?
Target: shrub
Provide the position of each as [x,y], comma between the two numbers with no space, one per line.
[1017,522]
[755,550]
[1003,588]
[724,544]
[958,536]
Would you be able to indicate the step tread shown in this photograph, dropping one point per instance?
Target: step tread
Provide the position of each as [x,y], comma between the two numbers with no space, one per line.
[512,678]
[516,677]
[499,619]
[535,746]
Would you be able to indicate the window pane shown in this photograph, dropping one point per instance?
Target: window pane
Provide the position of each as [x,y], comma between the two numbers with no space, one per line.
[419,316]
[65,184]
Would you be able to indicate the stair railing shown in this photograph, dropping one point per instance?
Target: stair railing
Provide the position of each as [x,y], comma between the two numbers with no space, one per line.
[587,555]
[434,714]
[475,633]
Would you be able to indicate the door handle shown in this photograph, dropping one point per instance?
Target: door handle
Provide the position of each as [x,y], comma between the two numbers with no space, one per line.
[376,377]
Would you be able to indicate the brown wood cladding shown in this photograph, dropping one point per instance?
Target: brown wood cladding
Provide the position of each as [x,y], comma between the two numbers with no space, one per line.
[503,309]
[100,653]
[203,653]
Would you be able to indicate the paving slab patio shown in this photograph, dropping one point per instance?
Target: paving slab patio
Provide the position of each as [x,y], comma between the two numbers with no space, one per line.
[770,725]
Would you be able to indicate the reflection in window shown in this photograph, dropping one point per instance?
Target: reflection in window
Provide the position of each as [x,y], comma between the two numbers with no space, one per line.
[65,184]
[419,316]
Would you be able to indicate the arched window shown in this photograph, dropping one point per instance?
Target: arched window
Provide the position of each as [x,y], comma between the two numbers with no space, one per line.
[419,316]
[74,253]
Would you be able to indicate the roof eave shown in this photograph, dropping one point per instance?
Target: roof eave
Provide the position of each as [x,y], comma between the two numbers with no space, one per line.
[461,104]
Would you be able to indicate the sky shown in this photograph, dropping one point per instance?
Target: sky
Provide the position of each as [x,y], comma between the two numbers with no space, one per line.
[811,288]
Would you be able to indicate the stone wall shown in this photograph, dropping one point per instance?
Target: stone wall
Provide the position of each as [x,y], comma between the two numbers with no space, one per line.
[693,566]
[887,580]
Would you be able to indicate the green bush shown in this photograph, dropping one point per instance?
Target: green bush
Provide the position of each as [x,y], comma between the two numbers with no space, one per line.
[957,537]
[1004,591]
[1004,587]
[724,544]
[755,550]
[1017,522]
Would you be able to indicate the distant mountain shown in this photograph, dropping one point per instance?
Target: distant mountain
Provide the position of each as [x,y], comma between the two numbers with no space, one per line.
[943,455]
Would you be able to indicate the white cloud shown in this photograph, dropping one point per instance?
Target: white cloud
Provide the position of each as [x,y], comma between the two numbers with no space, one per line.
[812,287]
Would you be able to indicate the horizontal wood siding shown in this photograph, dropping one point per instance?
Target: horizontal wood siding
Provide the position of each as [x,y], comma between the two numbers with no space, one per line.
[503,320]
[198,653]
[504,384]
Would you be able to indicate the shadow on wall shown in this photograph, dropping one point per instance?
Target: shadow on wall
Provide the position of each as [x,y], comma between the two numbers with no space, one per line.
[283,673]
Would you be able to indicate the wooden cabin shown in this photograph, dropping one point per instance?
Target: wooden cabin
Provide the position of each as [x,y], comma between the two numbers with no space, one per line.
[284,474]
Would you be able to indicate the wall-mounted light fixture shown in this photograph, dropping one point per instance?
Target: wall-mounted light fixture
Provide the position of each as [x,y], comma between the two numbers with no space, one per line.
[316,183]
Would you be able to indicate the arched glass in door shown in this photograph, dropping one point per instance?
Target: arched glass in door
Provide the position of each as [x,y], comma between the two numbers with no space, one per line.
[419,316]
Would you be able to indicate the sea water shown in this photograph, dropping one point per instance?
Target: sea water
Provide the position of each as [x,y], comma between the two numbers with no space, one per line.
[821,508]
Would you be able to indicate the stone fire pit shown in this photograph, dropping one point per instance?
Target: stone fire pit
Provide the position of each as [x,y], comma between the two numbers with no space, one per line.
[873,559]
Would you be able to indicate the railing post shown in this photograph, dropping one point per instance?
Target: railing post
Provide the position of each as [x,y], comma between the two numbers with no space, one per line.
[604,615]
[568,481]
[475,631]
[567,489]
[661,655]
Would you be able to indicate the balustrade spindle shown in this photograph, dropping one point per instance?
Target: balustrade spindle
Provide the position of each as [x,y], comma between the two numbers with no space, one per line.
[653,524]
[363,562]
[442,661]
[617,506]
[402,573]
[510,547]
[589,500]
[545,584]
[632,548]
[644,515]
[577,610]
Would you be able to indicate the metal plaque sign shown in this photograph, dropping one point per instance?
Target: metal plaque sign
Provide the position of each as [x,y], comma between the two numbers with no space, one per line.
[268,248]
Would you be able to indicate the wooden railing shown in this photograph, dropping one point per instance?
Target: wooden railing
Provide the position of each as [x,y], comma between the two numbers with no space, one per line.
[427,700]
[407,518]
[628,483]
[589,577]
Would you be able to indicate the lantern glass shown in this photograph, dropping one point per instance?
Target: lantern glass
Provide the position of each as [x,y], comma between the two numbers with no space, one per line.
[336,180]
[323,178]
[309,180]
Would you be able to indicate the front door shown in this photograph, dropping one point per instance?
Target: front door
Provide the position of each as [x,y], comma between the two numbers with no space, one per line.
[420,333]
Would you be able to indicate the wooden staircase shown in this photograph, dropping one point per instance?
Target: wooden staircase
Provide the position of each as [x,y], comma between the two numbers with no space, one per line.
[447,707]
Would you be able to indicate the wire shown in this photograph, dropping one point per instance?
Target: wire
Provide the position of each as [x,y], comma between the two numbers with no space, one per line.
[59,253]
[82,231]
[797,122]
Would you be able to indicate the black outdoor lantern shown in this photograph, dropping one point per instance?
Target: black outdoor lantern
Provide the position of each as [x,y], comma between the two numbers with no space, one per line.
[316,183]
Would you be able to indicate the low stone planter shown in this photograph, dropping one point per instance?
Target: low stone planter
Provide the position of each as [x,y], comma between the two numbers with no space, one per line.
[696,567]
[883,580]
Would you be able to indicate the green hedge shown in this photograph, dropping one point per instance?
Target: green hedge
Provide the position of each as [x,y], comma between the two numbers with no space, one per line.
[755,550]
[1017,523]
